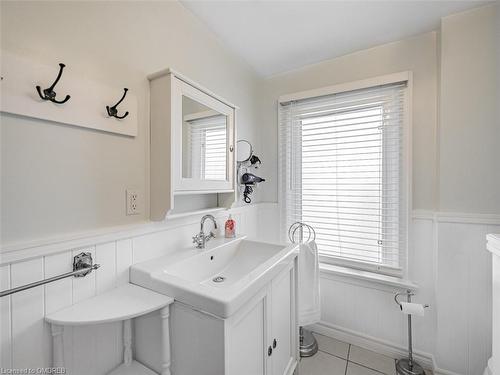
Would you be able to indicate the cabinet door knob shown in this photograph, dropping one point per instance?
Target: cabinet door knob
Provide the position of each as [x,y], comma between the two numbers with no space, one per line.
[269,351]
[275,342]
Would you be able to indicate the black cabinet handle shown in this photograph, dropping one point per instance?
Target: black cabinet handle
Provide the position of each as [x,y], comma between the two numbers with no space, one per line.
[269,351]
[275,342]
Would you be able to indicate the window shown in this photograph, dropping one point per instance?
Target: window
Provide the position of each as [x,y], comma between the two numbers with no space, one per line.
[344,171]
[207,148]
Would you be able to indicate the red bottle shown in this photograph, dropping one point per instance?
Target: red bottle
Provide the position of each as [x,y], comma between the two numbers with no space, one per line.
[230,228]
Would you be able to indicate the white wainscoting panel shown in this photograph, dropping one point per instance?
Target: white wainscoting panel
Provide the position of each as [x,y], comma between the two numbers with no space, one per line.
[362,308]
[58,294]
[31,344]
[448,260]
[105,254]
[5,326]
[449,263]
[25,339]
[123,261]
[463,342]
[422,270]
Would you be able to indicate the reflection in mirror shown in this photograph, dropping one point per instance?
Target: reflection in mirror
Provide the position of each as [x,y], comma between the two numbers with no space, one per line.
[204,142]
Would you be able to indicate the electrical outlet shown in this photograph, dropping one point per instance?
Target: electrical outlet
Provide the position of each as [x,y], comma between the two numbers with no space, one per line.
[132,202]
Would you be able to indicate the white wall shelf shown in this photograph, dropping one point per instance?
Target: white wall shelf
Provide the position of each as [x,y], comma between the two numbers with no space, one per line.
[121,304]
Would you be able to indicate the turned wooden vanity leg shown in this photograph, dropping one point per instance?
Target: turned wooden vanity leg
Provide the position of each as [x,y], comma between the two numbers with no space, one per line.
[127,342]
[57,345]
[165,366]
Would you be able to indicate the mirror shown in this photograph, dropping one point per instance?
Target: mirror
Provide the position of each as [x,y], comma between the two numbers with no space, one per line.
[204,142]
[244,151]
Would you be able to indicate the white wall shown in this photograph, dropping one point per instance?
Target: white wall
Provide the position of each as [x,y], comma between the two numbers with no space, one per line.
[59,179]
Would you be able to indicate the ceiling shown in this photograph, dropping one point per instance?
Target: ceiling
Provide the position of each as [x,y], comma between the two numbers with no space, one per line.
[278,36]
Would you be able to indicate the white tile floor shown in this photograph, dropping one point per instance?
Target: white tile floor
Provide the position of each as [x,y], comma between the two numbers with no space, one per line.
[339,358]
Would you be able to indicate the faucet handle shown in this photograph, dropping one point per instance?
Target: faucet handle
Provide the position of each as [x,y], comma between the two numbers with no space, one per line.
[209,236]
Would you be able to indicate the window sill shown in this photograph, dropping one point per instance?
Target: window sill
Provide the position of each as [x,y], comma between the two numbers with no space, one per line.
[367,277]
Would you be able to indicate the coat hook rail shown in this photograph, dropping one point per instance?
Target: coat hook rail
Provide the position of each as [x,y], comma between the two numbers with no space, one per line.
[49,93]
[113,111]
[82,266]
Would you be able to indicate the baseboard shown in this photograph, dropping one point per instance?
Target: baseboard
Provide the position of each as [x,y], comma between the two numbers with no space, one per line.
[387,348]
[372,343]
[440,371]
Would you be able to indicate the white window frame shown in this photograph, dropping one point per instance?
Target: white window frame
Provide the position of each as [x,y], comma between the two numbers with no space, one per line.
[406,184]
[191,154]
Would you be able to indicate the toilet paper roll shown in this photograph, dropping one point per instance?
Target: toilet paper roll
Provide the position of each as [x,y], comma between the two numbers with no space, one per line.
[412,308]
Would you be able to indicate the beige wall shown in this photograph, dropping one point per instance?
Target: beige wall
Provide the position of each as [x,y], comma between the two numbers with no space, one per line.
[469,130]
[418,54]
[59,179]
[455,163]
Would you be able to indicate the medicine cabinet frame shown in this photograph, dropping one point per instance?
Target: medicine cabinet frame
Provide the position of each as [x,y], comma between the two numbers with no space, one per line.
[173,194]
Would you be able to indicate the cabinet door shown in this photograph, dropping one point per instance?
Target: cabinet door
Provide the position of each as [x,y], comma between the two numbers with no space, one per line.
[283,324]
[246,334]
[202,141]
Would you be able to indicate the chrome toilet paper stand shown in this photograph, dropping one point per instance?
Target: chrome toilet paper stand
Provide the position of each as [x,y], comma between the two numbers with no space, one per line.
[408,366]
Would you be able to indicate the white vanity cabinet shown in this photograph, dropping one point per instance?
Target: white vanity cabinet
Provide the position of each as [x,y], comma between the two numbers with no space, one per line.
[260,338]
[192,147]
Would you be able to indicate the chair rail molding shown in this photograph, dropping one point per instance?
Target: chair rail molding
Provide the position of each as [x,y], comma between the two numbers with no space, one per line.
[21,251]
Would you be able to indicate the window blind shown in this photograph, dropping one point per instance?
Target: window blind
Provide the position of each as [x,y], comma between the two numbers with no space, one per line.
[342,172]
[207,140]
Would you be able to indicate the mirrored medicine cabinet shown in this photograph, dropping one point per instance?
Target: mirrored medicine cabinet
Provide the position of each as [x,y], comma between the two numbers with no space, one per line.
[192,147]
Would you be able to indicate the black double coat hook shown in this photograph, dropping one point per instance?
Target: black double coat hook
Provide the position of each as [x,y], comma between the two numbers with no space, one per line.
[49,93]
[113,112]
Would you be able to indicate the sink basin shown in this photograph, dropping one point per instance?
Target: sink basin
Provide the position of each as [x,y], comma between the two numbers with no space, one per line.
[218,279]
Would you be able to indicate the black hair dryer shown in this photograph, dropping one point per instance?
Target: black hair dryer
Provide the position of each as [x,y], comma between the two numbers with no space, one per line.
[249,180]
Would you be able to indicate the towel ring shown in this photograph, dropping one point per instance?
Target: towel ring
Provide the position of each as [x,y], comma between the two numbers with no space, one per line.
[311,233]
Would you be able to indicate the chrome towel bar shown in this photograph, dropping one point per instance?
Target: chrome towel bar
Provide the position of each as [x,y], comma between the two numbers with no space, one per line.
[82,266]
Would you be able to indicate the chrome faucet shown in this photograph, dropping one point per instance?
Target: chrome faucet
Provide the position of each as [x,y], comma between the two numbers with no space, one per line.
[201,239]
